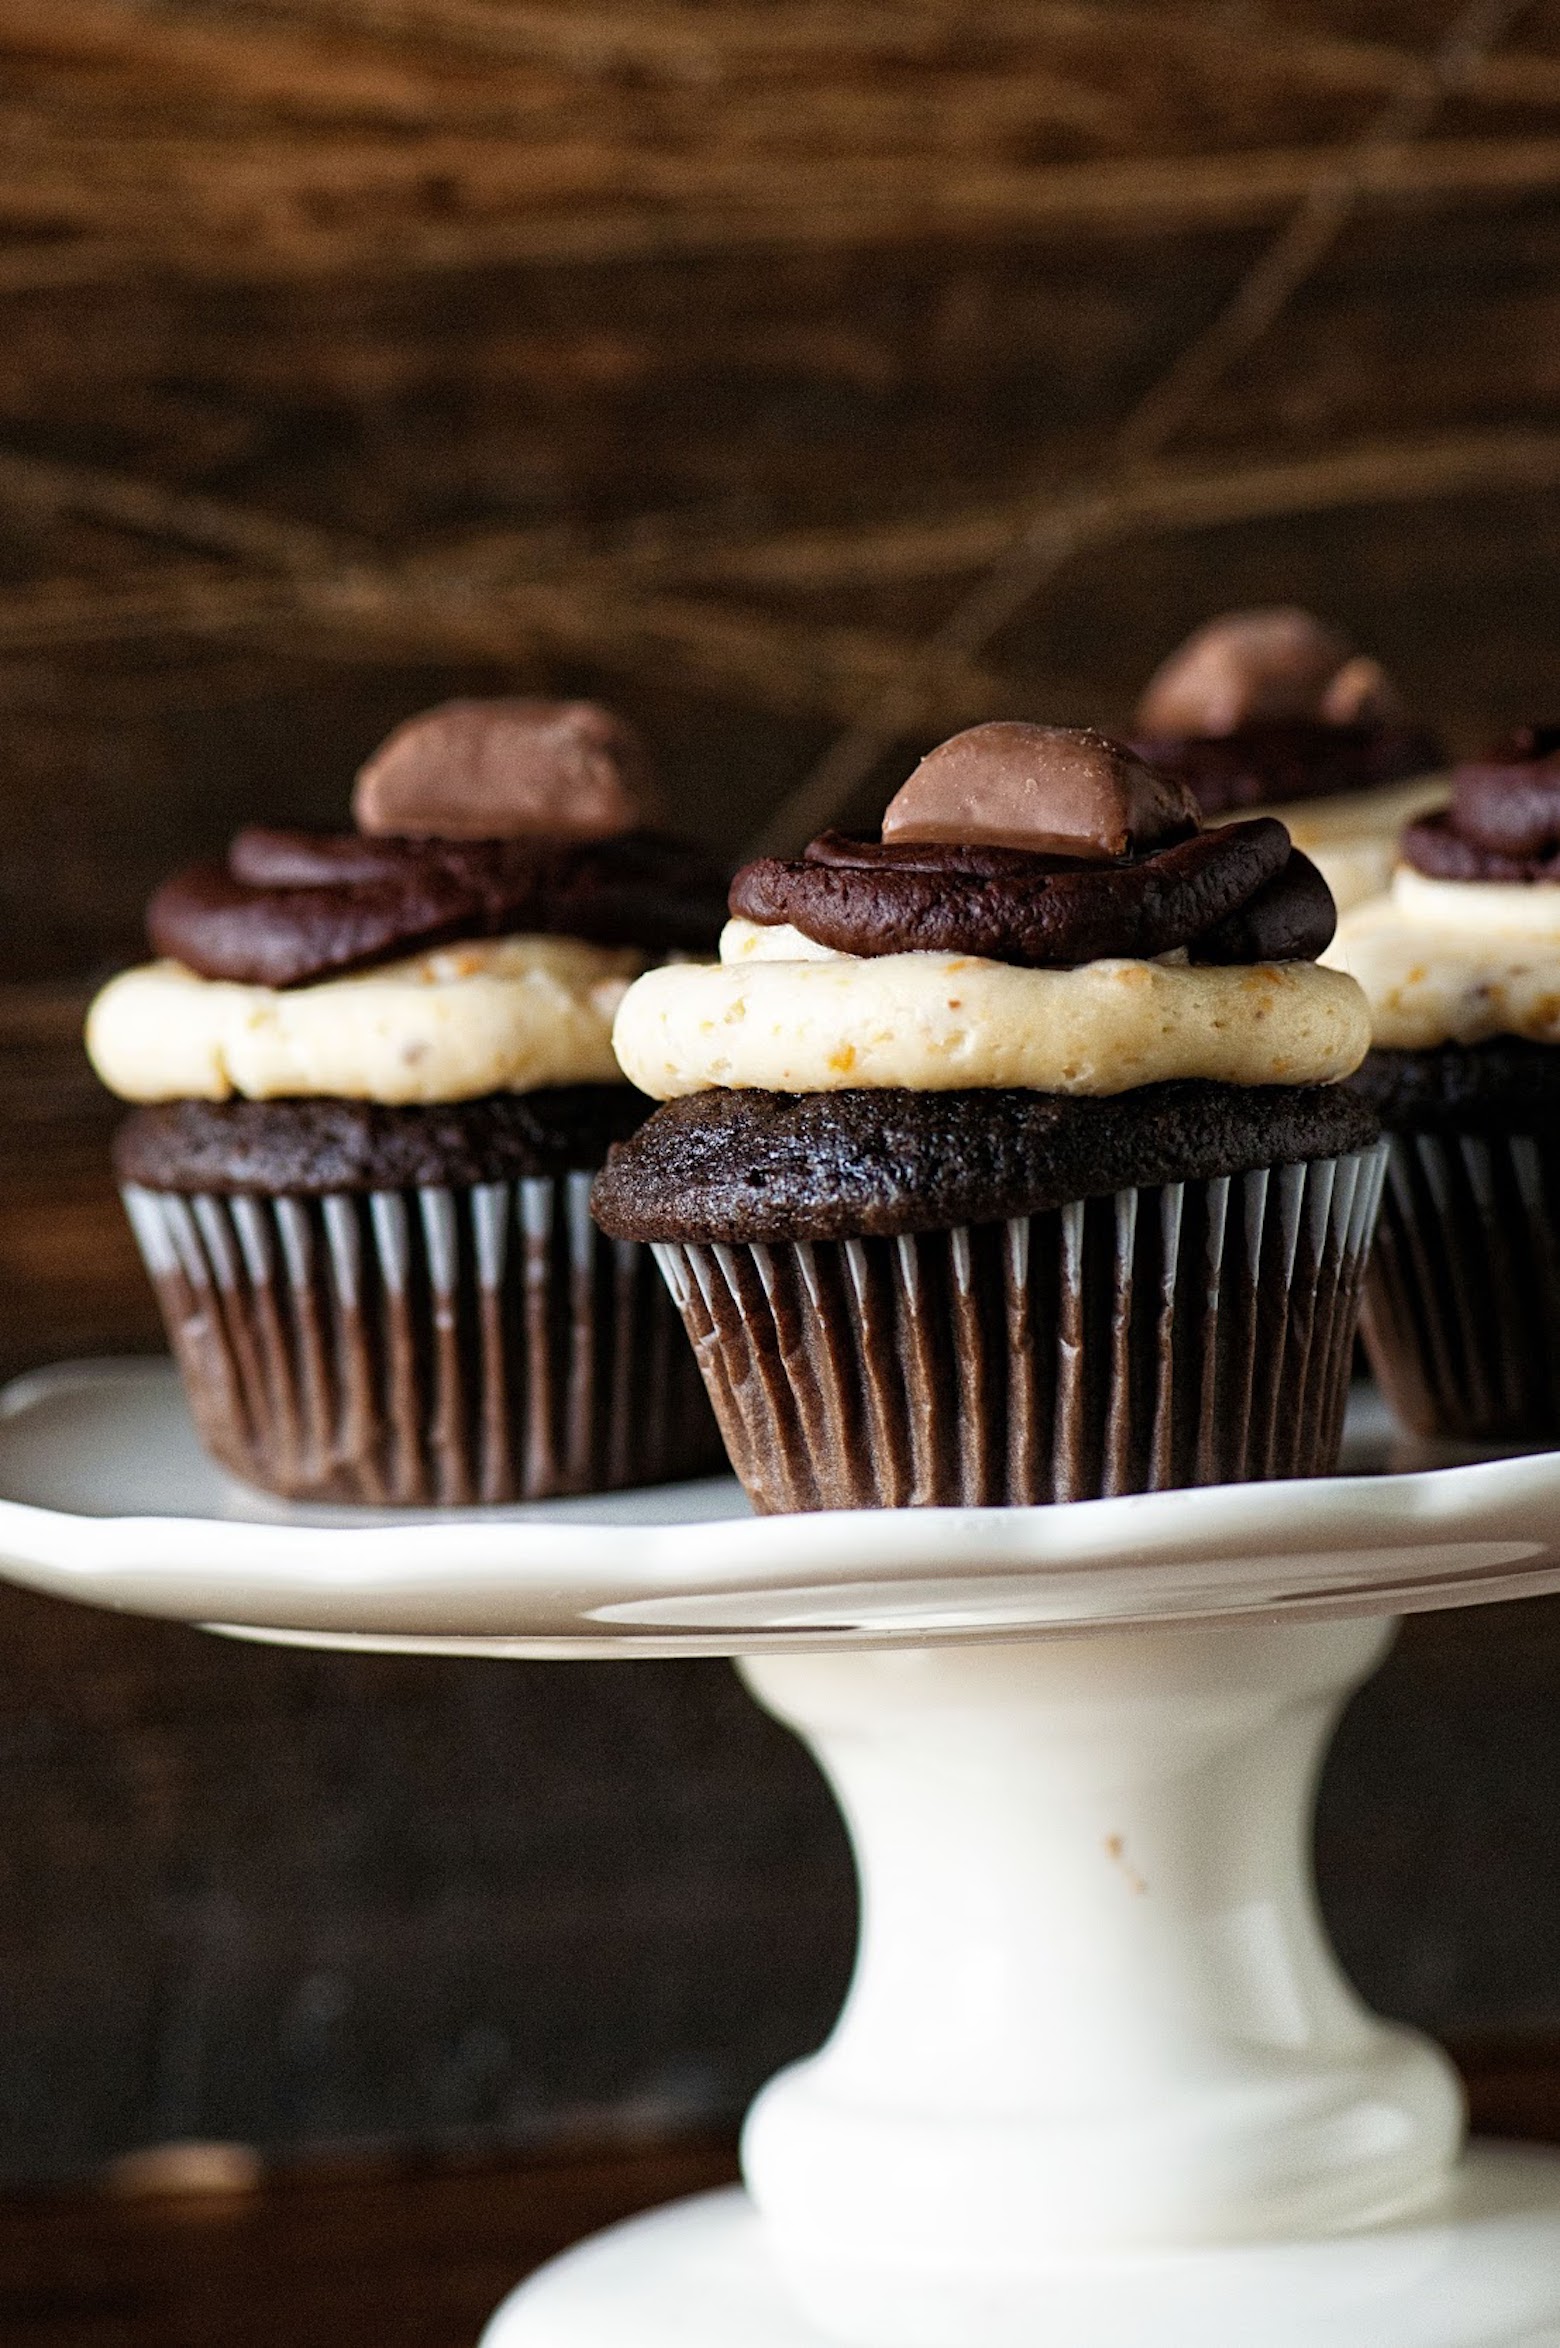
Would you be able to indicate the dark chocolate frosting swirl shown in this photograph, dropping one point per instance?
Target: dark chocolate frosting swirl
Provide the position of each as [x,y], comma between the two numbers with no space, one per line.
[290,907]
[1269,763]
[1503,821]
[1238,894]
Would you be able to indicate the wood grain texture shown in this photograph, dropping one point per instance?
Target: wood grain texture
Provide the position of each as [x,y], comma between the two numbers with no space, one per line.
[415,2259]
[702,356]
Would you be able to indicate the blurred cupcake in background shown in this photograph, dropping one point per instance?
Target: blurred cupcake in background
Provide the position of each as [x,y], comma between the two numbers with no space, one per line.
[1460,962]
[1005,1159]
[375,1077]
[1274,709]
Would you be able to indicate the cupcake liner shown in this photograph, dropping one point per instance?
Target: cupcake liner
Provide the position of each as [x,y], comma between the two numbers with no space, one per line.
[1199,1333]
[431,1346]
[1462,1301]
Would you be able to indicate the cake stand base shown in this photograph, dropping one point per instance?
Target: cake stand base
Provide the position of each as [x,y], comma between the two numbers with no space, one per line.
[1483,2272]
[1099,2081]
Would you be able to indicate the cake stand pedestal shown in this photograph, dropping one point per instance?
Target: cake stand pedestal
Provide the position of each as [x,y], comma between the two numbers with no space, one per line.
[1099,2082]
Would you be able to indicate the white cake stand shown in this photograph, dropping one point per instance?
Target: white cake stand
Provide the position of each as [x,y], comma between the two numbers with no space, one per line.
[1099,2082]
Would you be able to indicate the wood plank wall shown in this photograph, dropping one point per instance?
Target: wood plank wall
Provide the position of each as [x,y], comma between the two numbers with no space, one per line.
[703,357]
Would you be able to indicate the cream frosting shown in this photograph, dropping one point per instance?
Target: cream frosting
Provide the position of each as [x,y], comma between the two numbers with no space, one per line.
[773,941]
[493,1015]
[781,1014]
[1352,837]
[1444,961]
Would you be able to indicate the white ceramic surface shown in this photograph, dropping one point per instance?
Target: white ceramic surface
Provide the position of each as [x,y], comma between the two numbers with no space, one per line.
[1094,2007]
[105,1496]
[1482,2273]
[1098,2082]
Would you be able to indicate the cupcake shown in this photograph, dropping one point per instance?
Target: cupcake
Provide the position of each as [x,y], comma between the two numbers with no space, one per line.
[1274,709]
[1006,1159]
[374,1077]
[1460,962]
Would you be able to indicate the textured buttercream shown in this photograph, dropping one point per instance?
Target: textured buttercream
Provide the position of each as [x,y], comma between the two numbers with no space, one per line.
[1445,961]
[946,1022]
[492,1015]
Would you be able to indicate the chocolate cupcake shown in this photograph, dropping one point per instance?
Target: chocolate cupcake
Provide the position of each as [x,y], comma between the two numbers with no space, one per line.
[1005,1159]
[375,1078]
[1460,962]
[1274,709]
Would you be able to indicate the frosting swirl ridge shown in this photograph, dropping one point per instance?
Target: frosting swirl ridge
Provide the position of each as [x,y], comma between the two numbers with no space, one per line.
[1266,763]
[290,908]
[1238,894]
[1503,820]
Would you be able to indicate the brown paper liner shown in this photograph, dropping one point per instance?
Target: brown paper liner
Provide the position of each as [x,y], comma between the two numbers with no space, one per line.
[1462,1300]
[1195,1334]
[424,1346]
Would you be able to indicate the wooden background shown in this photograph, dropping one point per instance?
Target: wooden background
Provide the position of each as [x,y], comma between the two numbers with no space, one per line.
[708,357]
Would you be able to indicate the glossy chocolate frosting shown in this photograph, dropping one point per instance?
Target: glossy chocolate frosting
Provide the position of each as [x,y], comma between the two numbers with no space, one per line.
[291,907]
[1503,820]
[1269,762]
[1240,894]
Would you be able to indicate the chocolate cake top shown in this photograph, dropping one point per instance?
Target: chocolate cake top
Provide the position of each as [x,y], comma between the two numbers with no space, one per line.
[311,1148]
[1047,846]
[478,819]
[740,1167]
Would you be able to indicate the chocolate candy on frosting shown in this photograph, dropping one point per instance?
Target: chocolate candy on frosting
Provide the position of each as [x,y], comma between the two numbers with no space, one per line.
[1046,847]
[506,770]
[1263,707]
[1051,790]
[1245,668]
[478,819]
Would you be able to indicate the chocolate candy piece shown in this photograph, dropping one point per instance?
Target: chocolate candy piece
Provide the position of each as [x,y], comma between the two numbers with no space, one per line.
[1251,667]
[1361,694]
[506,770]
[1053,790]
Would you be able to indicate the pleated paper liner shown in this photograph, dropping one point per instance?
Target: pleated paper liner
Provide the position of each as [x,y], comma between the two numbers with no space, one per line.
[443,1346]
[1462,1301]
[1195,1334]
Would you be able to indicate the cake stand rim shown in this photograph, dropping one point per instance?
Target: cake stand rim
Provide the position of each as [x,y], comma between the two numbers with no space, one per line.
[518,1582]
